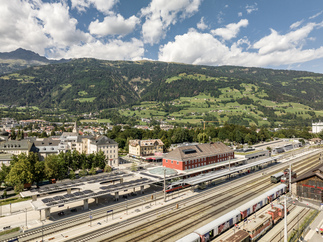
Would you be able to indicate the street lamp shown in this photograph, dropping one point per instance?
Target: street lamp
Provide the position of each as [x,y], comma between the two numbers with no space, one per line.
[42,230]
[127,206]
[90,218]
[285,219]
[26,216]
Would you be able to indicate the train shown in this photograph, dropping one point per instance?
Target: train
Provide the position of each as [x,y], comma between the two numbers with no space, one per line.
[176,186]
[258,226]
[221,224]
[282,176]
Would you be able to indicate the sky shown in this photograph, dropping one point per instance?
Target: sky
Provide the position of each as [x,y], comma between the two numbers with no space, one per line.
[279,34]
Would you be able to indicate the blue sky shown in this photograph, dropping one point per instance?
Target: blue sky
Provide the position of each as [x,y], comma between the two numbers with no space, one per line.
[279,34]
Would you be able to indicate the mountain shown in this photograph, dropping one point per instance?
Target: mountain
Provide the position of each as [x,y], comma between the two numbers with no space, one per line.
[89,85]
[22,54]
[21,59]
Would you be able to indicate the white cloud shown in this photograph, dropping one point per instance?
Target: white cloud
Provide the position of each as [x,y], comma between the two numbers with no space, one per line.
[240,14]
[275,42]
[103,6]
[316,15]
[114,25]
[194,48]
[296,24]
[231,30]
[273,50]
[39,26]
[113,50]
[19,27]
[59,26]
[251,8]
[219,17]
[201,25]
[160,14]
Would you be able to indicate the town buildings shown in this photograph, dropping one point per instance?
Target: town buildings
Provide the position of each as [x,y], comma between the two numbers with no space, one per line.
[193,156]
[68,141]
[139,148]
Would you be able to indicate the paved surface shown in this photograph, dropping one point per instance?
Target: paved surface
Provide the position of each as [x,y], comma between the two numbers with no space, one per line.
[312,235]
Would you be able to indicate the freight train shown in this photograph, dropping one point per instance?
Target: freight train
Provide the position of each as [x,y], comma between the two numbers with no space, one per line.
[219,225]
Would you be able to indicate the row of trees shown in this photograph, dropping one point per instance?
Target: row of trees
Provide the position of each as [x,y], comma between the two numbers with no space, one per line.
[229,133]
[29,169]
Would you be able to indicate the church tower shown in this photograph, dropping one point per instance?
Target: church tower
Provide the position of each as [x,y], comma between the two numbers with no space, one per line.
[75,127]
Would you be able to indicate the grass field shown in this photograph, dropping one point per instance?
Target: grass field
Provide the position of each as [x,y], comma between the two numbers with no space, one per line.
[86,99]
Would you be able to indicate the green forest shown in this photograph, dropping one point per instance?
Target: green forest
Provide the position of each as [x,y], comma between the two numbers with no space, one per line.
[188,94]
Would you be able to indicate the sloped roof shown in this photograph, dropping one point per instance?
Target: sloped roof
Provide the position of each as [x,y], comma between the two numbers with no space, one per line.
[148,142]
[188,152]
[46,142]
[103,140]
[16,145]
[315,171]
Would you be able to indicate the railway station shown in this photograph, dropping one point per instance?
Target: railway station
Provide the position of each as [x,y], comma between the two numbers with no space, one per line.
[126,209]
[100,185]
[82,190]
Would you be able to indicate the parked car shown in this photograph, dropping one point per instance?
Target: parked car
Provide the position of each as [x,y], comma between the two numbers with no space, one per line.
[61,213]
[73,210]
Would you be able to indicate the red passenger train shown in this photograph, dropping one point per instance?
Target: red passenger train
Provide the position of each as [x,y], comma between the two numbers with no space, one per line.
[176,186]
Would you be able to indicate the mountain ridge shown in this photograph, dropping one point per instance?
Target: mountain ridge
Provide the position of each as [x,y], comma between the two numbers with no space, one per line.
[20,59]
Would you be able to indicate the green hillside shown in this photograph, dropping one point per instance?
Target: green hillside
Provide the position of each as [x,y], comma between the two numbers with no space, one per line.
[185,93]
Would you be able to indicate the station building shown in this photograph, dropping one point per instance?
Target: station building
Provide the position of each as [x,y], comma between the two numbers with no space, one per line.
[193,156]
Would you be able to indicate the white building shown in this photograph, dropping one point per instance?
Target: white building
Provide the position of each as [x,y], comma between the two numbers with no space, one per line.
[317,127]
[108,146]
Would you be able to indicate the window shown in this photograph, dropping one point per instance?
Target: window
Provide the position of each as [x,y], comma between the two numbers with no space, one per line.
[177,163]
[172,162]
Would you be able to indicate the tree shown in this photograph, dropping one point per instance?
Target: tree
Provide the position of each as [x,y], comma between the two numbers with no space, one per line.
[19,187]
[92,171]
[13,134]
[107,168]
[39,171]
[54,167]
[20,173]
[4,173]
[202,138]
[83,172]
[72,175]
[99,160]
[134,167]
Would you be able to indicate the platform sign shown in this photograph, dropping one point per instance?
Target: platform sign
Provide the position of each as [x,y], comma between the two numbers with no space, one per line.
[109,211]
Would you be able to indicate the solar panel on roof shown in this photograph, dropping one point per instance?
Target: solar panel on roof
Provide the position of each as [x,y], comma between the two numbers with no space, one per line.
[87,191]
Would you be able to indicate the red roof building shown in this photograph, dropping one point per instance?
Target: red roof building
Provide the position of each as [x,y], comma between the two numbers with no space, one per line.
[193,156]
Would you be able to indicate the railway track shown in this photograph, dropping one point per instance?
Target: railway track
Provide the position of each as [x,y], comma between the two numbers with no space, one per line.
[280,235]
[81,219]
[159,228]
[210,204]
